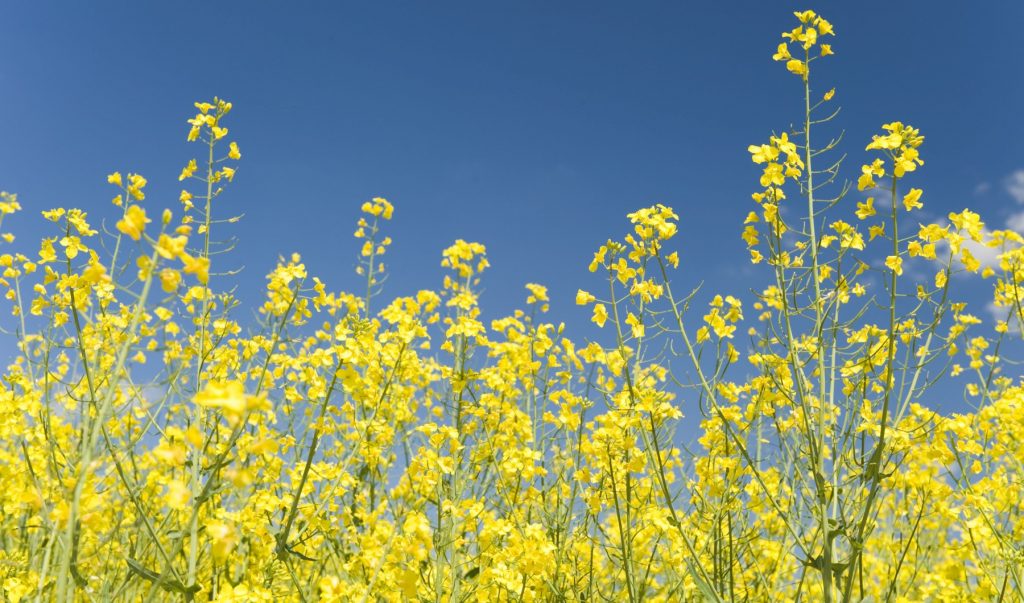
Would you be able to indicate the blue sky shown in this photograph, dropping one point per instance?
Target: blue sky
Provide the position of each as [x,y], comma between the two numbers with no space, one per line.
[532,127]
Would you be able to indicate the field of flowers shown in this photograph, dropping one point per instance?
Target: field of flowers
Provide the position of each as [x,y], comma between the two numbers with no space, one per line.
[348,446]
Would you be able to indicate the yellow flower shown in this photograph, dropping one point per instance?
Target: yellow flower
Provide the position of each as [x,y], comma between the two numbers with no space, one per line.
[379,207]
[903,141]
[912,199]
[460,256]
[170,279]
[894,263]
[868,174]
[76,218]
[230,397]
[178,495]
[809,37]
[598,260]
[72,245]
[233,151]
[888,141]
[47,253]
[53,214]
[971,263]
[654,221]
[636,325]
[969,221]
[188,170]
[133,222]
[170,247]
[824,27]
[907,161]
[866,209]
[805,16]
[115,179]
[583,298]
[197,266]
[538,293]
[600,315]
[224,538]
[135,185]
[408,583]
[762,153]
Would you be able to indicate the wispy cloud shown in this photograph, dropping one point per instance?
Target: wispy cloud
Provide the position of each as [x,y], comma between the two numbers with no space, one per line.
[881,193]
[1016,222]
[987,256]
[1014,185]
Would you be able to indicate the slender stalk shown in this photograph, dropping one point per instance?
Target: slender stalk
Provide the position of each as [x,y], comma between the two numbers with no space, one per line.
[198,412]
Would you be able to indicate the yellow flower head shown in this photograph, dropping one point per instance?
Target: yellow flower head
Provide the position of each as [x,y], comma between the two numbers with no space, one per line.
[188,170]
[461,257]
[912,200]
[900,143]
[583,298]
[133,222]
[378,207]
[894,263]
[812,27]
[538,293]
[230,397]
[197,266]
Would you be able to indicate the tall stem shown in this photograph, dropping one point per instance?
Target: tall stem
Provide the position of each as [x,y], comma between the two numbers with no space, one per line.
[819,478]
[198,415]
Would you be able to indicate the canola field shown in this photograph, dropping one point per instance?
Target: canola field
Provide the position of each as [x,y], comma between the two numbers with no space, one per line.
[158,445]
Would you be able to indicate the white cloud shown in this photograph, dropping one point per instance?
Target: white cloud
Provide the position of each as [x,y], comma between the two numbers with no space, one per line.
[1016,222]
[1014,185]
[987,256]
[981,188]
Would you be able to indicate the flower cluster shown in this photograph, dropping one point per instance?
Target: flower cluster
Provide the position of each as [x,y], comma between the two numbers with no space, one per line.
[807,35]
